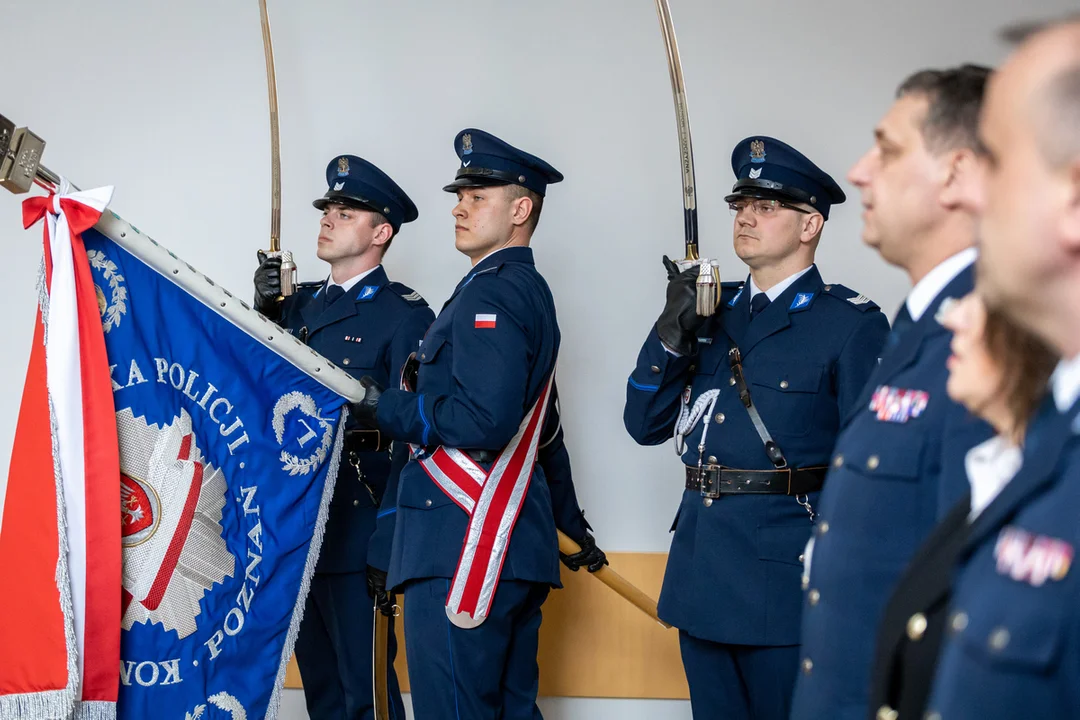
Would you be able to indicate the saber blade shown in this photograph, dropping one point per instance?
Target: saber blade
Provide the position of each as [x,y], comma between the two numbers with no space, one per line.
[682,121]
[275,147]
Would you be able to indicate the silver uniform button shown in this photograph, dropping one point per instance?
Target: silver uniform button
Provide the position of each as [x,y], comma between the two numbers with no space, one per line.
[802,559]
[916,626]
[345,361]
[959,622]
[712,459]
[427,503]
[999,639]
[707,502]
[872,462]
[720,417]
[838,461]
[355,503]
[731,380]
[887,713]
[807,666]
[655,369]
[783,384]
[814,597]
[823,527]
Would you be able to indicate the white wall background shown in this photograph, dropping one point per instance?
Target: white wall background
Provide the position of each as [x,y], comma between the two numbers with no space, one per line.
[167,101]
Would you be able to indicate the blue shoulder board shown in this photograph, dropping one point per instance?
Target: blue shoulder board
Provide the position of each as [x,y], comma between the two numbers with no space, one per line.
[850,297]
[407,294]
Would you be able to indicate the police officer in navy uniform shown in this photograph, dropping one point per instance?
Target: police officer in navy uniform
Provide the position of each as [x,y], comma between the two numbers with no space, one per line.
[888,487]
[755,394]
[1012,648]
[485,366]
[365,324]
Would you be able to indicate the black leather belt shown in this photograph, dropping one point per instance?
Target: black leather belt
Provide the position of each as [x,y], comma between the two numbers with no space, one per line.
[365,441]
[713,481]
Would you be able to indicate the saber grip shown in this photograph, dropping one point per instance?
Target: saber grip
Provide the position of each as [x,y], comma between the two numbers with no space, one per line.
[288,274]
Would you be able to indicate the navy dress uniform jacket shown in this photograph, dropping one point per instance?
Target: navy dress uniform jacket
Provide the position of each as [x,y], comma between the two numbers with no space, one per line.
[734,565]
[1012,647]
[483,364]
[913,622]
[370,330]
[884,493]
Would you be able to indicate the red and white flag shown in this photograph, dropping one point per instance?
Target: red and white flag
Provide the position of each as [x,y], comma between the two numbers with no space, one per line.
[60,618]
[485,320]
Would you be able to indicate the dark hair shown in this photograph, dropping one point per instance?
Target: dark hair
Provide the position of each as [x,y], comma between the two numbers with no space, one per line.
[955,97]
[1026,361]
[519,191]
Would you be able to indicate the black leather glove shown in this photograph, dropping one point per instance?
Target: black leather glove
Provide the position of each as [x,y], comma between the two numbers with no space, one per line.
[366,410]
[679,322]
[376,590]
[590,556]
[268,286]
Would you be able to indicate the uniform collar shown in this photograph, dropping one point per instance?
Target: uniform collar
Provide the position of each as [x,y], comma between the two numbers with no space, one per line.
[351,282]
[924,292]
[778,289]
[502,256]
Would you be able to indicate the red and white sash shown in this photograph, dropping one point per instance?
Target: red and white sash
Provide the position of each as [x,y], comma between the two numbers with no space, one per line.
[493,501]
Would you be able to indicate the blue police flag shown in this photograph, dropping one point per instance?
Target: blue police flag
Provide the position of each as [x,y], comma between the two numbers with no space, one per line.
[230,433]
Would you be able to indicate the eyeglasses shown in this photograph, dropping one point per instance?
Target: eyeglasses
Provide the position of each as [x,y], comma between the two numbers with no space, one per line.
[762,207]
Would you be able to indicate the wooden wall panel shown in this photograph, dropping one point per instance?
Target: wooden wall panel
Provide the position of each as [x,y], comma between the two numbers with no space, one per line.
[595,644]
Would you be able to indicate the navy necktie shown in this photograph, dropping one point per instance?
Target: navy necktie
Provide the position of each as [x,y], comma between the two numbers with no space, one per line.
[333,292]
[758,303]
[901,324]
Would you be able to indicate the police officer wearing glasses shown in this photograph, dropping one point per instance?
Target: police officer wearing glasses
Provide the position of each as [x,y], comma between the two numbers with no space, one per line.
[754,396]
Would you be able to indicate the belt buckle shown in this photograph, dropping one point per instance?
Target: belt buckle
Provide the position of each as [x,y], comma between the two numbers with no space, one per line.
[709,478]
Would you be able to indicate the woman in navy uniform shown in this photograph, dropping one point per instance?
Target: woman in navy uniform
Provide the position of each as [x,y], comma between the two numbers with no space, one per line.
[999,371]
[799,351]
[483,413]
[366,325]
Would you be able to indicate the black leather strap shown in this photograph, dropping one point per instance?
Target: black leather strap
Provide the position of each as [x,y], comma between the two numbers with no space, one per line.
[714,480]
[772,450]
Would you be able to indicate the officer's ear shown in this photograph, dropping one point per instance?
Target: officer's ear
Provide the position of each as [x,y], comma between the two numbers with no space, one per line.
[812,225]
[961,169]
[521,208]
[382,234]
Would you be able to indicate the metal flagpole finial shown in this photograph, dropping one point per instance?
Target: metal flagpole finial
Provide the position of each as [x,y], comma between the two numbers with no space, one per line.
[288,269]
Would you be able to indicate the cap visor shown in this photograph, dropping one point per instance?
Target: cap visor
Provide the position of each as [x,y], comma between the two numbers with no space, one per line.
[347,200]
[464,182]
[759,193]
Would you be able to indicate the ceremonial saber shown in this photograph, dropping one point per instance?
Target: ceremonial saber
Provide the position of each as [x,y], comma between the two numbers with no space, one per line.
[635,595]
[288,267]
[708,281]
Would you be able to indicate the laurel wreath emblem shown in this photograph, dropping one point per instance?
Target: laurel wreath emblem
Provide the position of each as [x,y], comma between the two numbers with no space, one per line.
[293,464]
[117,305]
